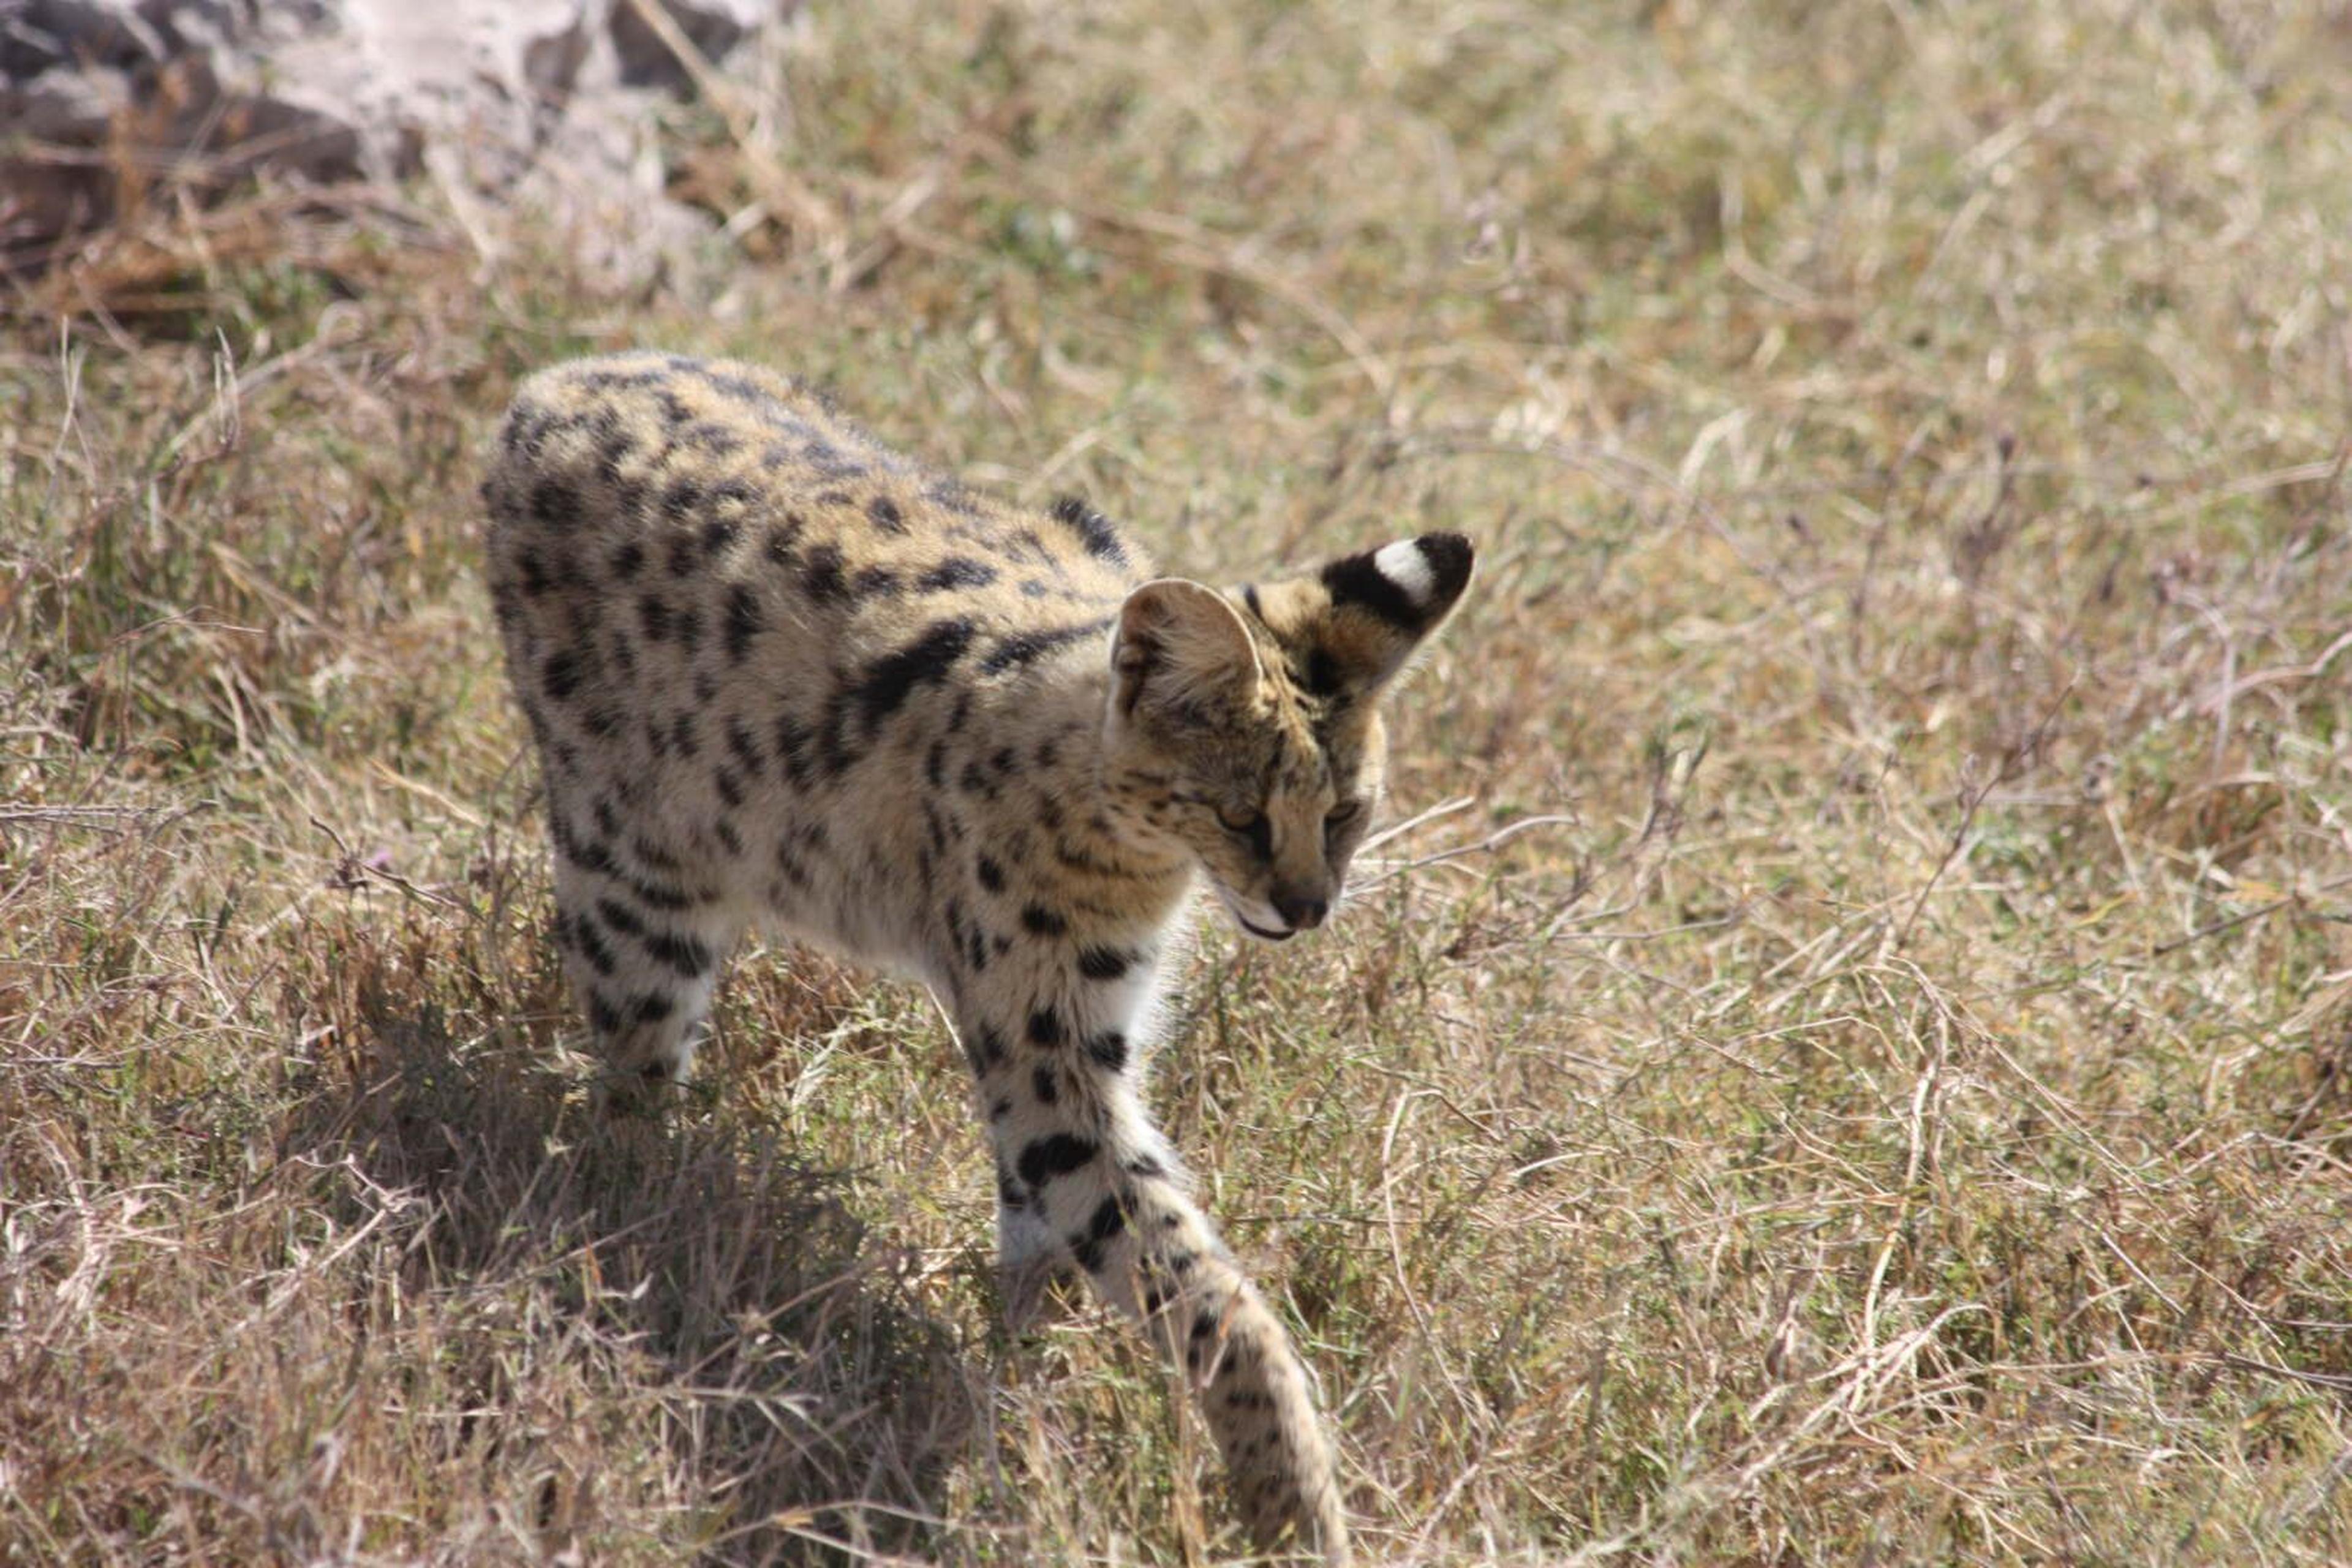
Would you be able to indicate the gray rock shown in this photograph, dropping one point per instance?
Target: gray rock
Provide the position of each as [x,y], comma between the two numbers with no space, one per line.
[490,94]
[713,26]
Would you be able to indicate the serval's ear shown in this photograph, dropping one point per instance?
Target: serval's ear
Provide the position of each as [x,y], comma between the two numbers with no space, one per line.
[1375,610]
[1178,645]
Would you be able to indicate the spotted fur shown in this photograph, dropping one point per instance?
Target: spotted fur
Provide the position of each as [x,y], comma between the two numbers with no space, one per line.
[776,671]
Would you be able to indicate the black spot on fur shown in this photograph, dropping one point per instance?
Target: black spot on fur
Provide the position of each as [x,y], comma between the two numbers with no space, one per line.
[1090,1245]
[744,622]
[781,538]
[653,1006]
[1045,1027]
[1042,1080]
[719,535]
[991,875]
[927,660]
[794,749]
[653,616]
[1102,963]
[591,945]
[1056,1154]
[716,439]
[885,515]
[1094,530]
[1108,1049]
[603,1016]
[1022,648]
[956,572]
[729,785]
[659,896]
[821,575]
[561,676]
[535,579]
[742,743]
[873,583]
[1039,920]
[554,502]
[682,560]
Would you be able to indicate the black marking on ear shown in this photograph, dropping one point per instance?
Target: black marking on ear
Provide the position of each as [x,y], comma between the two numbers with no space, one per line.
[1449,556]
[1249,597]
[1358,581]
[1094,530]
[1056,1154]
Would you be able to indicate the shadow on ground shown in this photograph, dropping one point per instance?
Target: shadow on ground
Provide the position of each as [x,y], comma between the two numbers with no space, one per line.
[679,1285]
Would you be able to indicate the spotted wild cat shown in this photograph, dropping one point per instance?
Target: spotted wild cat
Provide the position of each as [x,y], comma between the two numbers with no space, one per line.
[777,672]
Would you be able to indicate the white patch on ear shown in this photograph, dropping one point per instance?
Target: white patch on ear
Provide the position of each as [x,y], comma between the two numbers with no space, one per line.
[1404,565]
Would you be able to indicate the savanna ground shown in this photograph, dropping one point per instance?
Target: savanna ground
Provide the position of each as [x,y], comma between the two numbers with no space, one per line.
[1847,1061]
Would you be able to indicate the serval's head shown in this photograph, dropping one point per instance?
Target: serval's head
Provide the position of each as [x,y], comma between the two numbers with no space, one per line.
[1245,724]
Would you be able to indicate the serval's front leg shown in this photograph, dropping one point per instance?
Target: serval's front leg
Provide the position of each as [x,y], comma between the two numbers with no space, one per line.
[1080,1162]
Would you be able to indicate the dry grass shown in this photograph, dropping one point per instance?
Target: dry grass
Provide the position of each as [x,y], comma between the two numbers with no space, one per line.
[1888,1103]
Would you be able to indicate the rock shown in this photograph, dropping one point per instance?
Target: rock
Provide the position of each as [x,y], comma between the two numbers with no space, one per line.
[549,95]
[713,26]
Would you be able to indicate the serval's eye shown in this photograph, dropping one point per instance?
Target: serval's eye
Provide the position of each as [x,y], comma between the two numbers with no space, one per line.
[1241,822]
